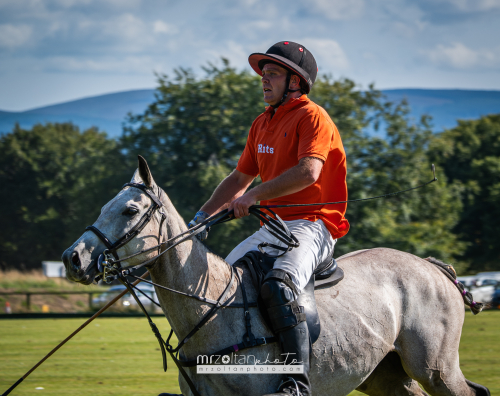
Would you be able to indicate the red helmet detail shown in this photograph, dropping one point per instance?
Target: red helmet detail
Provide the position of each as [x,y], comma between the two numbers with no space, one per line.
[286,43]
[301,49]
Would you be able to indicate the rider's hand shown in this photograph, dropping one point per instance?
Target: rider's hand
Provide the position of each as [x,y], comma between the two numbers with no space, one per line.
[240,205]
[200,217]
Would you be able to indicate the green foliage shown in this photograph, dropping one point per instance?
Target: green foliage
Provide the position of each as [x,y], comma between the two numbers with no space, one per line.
[53,180]
[470,157]
[419,222]
[192,137]
[194,133]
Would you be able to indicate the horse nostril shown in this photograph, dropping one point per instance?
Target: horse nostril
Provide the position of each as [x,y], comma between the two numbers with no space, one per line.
[75,259]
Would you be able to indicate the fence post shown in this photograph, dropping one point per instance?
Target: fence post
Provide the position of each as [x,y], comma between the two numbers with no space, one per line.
[90,301]
[28,301]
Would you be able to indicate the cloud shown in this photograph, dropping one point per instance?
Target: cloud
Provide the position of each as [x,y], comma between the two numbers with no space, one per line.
[338,9]
[458,56]
[329,54]
[162,27]
[13,36]
[140,64]
[445,11]
[469,5]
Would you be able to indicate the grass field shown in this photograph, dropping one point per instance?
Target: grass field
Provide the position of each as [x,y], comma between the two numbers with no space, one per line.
[121,356]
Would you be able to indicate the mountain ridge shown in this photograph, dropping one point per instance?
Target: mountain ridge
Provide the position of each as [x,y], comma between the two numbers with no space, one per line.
[108,111]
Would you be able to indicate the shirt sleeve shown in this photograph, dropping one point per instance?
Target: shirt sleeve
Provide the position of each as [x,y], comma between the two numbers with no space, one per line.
[247,163]
[316,135]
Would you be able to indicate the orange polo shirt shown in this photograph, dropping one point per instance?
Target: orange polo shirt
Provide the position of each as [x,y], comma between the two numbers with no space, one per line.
[299,129]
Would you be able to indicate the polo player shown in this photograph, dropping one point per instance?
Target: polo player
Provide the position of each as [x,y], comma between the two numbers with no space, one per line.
[296,149]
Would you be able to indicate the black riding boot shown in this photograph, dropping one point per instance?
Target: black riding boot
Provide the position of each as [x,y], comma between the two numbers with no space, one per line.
[295,342]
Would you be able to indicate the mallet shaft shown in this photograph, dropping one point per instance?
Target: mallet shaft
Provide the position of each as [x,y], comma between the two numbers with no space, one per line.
[72,335]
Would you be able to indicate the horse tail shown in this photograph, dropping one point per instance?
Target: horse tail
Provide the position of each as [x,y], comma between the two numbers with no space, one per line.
[449,271]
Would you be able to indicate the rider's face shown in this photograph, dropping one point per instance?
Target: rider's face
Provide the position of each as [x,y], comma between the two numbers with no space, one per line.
[273,83]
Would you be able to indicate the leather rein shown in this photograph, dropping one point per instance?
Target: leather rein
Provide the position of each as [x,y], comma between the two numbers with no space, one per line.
[111,268]
[109,261]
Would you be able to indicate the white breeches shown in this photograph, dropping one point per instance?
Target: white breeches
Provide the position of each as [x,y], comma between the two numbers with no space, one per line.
[316,244]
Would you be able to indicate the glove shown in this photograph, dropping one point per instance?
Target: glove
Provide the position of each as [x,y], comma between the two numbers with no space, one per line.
[200,217]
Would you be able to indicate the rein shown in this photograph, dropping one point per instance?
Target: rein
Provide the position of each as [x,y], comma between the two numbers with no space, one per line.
[112,270]
[110,262]
[274,225]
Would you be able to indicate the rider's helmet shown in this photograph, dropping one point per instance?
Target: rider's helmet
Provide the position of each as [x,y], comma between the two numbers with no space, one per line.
[292,56]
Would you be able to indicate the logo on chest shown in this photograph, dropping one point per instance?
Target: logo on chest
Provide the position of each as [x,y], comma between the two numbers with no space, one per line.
[264,148]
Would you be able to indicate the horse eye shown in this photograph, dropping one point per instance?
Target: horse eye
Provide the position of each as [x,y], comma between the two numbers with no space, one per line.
[130,211]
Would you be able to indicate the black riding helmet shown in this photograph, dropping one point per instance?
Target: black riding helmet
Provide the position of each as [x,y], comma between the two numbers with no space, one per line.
[292,56]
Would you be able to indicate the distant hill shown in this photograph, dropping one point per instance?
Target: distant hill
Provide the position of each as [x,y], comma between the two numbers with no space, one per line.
[446,106]
[108,112]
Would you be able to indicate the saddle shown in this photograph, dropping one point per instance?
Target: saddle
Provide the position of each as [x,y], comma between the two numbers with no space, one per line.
[326,273]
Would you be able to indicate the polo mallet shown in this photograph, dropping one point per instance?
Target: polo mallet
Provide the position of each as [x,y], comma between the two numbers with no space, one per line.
[72,335]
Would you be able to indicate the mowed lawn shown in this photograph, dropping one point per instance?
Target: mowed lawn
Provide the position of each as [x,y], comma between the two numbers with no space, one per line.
[121,356]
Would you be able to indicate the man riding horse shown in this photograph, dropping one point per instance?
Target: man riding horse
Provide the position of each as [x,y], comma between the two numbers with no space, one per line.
[296,149]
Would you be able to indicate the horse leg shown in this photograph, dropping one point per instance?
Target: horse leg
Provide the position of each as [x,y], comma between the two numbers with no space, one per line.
[432,359]
[389,378]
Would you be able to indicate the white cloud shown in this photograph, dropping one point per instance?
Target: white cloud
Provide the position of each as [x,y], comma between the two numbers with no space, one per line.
[13,36]
[459,56]
[162,27]
[338,9]
[329,54]
[470,5]
[115,64]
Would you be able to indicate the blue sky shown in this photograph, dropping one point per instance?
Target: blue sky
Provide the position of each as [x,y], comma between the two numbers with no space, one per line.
[57,50]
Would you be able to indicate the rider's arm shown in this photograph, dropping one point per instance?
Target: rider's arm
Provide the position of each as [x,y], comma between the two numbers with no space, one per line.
[295,179]
[227,191]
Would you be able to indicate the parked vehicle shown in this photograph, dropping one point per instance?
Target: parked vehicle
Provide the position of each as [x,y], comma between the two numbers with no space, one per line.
[467,281]
[488,275]
[482,285]
[127,301]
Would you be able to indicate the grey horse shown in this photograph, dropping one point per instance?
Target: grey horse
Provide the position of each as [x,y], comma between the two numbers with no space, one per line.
[393,322]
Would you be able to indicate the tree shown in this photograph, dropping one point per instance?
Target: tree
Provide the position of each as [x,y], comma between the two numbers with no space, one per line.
[392,159]
[194,132]
[470,157]
[53,179]
[192,136]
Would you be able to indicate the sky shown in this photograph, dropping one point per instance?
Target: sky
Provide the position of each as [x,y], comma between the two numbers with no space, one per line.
[52,51]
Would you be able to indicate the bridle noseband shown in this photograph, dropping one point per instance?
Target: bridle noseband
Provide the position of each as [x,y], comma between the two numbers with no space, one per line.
[109,266]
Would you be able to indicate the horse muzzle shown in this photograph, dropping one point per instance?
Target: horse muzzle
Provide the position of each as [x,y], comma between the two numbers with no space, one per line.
[75,271]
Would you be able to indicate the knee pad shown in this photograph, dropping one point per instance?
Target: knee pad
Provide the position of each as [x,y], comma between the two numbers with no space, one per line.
[275,293]
[283,310]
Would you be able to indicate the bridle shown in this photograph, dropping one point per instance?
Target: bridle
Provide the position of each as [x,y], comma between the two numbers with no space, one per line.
[106,261]
[112,270]
[110,262]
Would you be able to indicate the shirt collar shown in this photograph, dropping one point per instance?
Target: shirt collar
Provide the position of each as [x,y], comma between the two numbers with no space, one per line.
[290,105]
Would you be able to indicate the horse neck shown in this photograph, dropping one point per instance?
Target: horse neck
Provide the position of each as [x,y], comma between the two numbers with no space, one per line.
[188,267]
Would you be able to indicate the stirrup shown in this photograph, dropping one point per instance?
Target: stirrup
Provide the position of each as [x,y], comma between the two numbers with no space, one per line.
[289,380]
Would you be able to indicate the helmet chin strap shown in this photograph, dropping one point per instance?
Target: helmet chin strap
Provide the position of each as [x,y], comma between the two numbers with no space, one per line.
[287,90]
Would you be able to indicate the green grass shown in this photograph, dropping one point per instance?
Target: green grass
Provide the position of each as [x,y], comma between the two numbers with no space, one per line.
[121,356]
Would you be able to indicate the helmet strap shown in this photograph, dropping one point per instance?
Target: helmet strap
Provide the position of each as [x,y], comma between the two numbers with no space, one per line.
[287,90]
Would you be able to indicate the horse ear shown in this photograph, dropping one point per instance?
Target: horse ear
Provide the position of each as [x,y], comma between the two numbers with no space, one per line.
[145,173]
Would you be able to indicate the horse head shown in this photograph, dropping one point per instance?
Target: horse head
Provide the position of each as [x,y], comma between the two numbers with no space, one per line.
[120,224]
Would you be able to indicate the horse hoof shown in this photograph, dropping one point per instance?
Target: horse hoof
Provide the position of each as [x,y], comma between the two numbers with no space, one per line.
[169,394]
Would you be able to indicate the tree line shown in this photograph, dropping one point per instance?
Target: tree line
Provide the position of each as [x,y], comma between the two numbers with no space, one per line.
[54,178]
